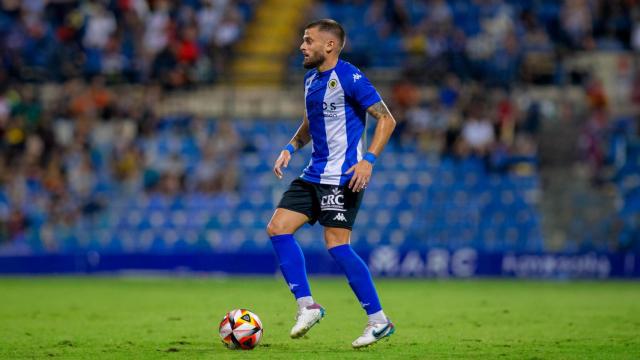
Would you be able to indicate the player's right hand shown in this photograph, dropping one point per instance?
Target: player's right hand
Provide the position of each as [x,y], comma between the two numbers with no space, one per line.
[281,162]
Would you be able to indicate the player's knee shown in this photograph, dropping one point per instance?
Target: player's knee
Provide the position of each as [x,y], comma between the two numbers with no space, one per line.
[333,243]
[335,238]
[276,227]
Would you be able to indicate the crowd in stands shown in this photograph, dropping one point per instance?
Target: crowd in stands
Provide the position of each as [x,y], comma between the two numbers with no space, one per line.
[176,43]
[498,42]
[63,161]
[467,120]
[59,162]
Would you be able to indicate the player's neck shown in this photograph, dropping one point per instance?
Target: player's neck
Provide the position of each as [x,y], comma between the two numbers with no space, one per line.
[328,64]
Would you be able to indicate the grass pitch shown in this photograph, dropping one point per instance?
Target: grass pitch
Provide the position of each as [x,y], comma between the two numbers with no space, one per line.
[177,318]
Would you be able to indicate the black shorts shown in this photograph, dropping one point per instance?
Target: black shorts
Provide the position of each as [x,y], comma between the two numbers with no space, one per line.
[331,205]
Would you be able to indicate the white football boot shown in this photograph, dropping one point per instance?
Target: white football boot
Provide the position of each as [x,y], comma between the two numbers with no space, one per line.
[305,319]
[374,332]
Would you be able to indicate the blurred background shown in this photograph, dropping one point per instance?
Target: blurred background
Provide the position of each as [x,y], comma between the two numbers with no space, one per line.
[140,134]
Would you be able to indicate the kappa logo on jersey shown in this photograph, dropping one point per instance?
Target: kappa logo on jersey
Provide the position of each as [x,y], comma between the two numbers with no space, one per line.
[340,217]
[334,202]
[356,76]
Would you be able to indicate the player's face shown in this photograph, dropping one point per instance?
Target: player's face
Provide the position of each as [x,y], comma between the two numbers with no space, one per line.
[313,48]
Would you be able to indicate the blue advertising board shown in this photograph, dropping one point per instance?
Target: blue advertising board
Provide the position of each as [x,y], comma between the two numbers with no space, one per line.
[383,261]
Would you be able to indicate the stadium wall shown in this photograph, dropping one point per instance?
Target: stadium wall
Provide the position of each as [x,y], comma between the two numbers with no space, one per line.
[385,261]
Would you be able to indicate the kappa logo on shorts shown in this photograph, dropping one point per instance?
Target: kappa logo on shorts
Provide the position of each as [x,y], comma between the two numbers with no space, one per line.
[333,202]
[340,217]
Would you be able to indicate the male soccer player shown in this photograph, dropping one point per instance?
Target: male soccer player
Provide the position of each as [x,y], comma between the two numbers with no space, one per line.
[338,98]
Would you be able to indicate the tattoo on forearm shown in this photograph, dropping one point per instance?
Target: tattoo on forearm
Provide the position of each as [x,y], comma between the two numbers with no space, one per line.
[384,127]
[378,110]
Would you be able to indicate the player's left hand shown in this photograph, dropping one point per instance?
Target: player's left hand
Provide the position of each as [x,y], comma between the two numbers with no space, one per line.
[361,175]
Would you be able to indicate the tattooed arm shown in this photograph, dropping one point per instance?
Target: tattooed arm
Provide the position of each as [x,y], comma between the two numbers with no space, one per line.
[384,127]
[386,123]
[299,140]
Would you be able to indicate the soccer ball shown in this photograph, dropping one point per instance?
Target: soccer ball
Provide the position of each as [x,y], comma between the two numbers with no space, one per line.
[241,329]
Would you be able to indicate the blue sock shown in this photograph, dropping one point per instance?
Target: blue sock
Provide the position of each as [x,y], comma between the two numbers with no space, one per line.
[359,277]
[291,262]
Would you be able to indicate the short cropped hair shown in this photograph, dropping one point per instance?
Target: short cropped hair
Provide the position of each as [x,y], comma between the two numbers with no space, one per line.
[329,25]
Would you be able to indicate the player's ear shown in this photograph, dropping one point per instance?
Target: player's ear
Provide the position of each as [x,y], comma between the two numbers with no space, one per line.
[329,46]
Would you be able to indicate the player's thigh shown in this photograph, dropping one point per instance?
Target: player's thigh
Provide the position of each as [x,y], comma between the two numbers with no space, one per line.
[336,236]
[285,221]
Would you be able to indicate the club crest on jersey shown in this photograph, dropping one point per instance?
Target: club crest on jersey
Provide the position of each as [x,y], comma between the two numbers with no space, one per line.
[332,84]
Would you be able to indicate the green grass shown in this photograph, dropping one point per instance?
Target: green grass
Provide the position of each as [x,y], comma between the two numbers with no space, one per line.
[177,318]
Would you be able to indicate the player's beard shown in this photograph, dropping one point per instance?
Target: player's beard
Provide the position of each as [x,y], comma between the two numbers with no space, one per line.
[313,61]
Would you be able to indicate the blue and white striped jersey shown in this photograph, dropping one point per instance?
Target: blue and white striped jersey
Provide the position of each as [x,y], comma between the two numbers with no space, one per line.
[336,101]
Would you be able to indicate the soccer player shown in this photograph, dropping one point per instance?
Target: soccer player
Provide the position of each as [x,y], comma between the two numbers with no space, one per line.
[338,98]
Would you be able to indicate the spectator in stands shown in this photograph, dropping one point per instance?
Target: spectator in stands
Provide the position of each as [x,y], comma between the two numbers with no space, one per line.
[593,138]
[208,19]
[375,17]
[227,34]
[100,26]
[635,90]
[635,34]
[534,37]
[478,132]
[439,13]
[172,175]
[505,62]
[427,125]
[506,116]
[405,95]
[127,168]
[398,15]
[208,173]
[450,91]
[166,70]
[157,28]
[613,24]
[188,52]
[16,224]
[576,19]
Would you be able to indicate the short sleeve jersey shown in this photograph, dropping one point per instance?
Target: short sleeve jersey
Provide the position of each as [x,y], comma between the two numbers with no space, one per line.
[336,103]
